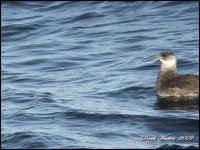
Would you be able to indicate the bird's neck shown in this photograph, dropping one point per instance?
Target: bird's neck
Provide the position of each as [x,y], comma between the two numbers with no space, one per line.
[168,66]
[166,74]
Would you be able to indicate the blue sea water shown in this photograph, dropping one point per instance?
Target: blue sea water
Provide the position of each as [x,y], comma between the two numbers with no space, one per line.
[81,74]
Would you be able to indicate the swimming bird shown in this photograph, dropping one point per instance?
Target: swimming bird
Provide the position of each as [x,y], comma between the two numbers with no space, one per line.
[172,84]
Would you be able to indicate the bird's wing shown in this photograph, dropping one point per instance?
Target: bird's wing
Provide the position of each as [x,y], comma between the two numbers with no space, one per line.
[186,81]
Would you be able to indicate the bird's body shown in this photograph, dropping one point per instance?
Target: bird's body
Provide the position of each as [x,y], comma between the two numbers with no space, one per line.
[172,84]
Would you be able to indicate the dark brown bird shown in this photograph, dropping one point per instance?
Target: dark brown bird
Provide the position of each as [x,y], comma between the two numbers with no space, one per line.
[172,84]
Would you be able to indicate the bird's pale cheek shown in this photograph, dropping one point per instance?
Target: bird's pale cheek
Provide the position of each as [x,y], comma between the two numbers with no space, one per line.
[162,62]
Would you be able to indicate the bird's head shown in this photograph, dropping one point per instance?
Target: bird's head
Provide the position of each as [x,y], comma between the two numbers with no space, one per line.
[168,60]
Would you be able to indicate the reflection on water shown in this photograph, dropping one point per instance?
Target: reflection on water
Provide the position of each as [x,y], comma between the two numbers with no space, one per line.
[178,103]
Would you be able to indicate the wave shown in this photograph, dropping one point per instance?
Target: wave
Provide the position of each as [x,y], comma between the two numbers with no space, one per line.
[176,146]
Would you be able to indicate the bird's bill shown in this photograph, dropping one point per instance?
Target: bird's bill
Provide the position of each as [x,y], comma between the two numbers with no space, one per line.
[158,57]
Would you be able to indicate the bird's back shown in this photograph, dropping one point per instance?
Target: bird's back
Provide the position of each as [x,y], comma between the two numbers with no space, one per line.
[181,85]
